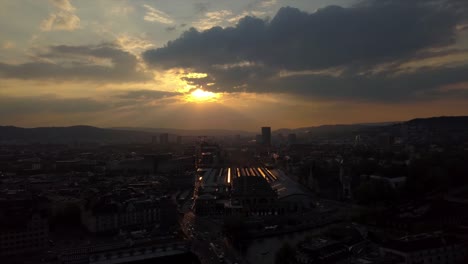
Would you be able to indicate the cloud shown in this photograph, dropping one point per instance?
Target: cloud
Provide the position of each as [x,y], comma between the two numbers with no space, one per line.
[133,44]
[171,29]
[48,104]
[422,84]
[145,94]
[63,5]
[223,18]
[357,40]
[212,19]
[235,19]
[8,45]
[331,36]
[64,19]
[261,4]
[122,10]
[155,15]
[268,3]
[103,62]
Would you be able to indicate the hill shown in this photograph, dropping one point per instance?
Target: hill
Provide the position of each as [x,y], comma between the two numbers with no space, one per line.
[11,134]
[186,132]
[442,126]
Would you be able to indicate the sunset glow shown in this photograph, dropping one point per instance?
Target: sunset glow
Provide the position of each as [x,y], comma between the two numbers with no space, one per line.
[200,96]
[159,63]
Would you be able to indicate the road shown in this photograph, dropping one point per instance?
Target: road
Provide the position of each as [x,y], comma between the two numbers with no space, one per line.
[208,242]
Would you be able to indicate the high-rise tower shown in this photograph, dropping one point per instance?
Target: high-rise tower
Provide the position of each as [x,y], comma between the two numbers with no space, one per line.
[266,136]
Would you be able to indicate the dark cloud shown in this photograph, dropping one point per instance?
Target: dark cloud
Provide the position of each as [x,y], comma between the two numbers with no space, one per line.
[385,86]
[250,56]
[146,94]
[329,37]
[19,105]
[79,63]
[48,104]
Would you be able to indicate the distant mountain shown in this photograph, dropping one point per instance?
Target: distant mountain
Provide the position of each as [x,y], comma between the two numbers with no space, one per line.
[326,129]
[90,134]
[70,134]
[186,132]
[441,122]
[443,126]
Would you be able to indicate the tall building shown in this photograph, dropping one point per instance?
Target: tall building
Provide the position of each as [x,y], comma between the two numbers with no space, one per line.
[266,136]
[164,138]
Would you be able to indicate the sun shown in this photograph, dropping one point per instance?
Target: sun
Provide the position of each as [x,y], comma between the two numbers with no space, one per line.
[200,96]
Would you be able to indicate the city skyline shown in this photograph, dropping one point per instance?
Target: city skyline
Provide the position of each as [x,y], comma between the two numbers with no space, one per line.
[231,65]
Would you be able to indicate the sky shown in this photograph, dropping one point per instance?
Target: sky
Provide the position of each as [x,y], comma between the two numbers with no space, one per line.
[243,64]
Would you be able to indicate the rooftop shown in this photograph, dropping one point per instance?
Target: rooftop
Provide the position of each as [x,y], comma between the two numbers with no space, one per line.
[420,242]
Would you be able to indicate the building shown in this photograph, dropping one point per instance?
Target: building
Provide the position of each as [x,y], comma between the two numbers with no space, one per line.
[247,191]
[137,165]
[345,180]
[254,195]
[266,136]
[208,154]
[396,182]
[164,138]
[111,216]
[323,251]
[425,248]
[139,251]
[24,225]
[178,164]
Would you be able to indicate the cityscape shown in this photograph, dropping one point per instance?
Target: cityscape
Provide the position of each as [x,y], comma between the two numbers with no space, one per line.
[393,193]
[234,132]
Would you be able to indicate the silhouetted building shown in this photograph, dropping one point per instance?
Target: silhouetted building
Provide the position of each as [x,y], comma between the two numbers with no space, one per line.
[266,136]
[111,216]
[254,194]
[24,227]
[179,140]
[247,191]
[323,251]
[164,138]
[425,248]
[143,165]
